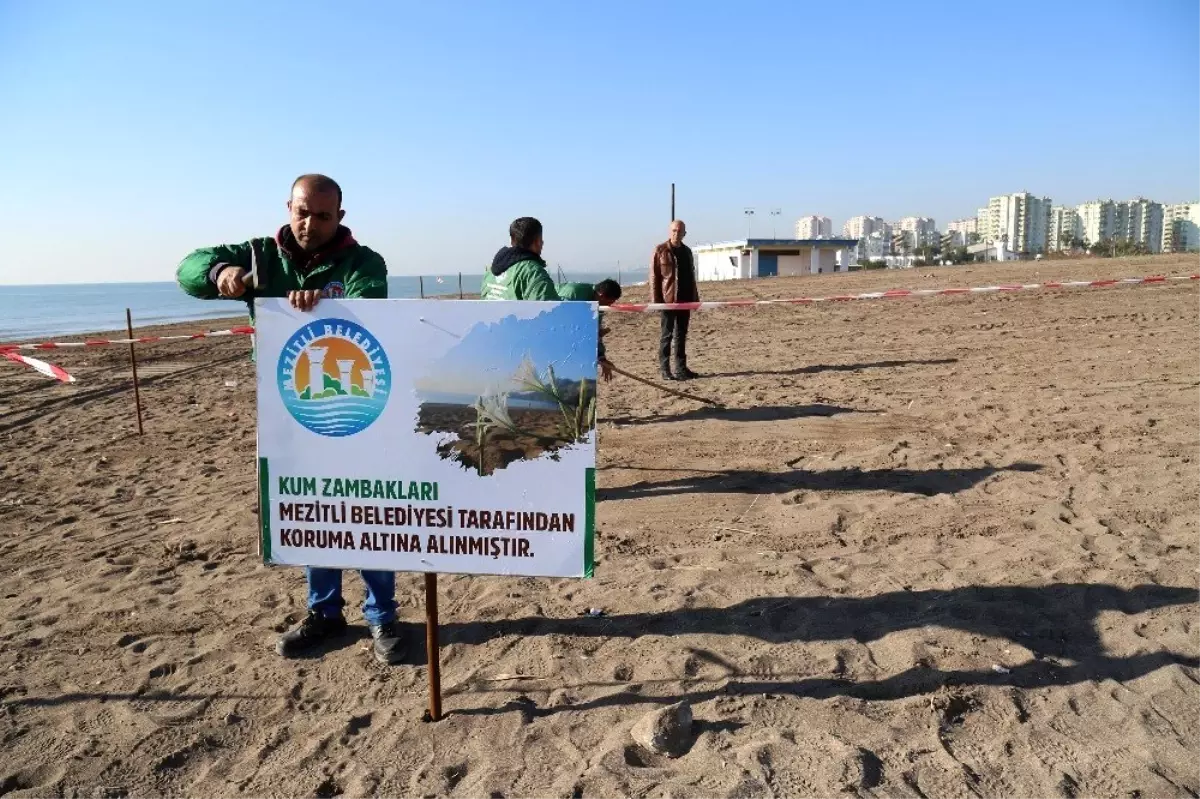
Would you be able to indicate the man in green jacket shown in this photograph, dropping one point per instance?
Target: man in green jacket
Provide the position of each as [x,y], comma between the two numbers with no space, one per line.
[518,271]
[605,293]
[313,256]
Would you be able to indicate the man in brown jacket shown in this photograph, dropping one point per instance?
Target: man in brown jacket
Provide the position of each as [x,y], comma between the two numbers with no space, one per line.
[673,279]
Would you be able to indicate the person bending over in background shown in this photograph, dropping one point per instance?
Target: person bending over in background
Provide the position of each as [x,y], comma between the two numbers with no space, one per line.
[605,293]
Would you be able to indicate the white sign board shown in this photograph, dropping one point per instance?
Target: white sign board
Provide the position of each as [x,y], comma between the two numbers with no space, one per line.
[428,435]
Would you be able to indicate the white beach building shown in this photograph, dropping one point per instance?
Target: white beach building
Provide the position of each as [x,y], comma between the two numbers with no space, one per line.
[750,258]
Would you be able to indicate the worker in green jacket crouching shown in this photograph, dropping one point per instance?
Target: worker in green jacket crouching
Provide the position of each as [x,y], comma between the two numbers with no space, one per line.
[313,256]
[606,292]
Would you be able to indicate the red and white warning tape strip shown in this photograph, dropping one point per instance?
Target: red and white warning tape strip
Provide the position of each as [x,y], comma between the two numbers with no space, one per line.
[105,342]
[9,351]
[894,294]
[48,369]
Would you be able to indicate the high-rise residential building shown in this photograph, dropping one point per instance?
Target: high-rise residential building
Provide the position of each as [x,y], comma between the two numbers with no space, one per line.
[983,224]
[1097,221]
[1064,228]
[963,231]
[965,226]
[814,227]
[876,246]
[1181,227]
[1144,223]
[1020,221]
[860,227]
[1138,220]
[921,230]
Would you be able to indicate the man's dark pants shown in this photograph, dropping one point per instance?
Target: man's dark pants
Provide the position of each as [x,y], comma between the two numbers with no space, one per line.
[674,325]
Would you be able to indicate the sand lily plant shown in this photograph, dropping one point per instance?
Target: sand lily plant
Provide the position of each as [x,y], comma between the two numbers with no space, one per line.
[493,407]
[491,410]
[577,418]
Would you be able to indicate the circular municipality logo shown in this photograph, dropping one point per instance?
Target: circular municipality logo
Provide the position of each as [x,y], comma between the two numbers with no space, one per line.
[333,377]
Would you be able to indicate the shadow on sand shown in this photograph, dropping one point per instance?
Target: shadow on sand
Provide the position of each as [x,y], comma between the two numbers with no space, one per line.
[762,413]
[1056,622]
[928,482]
[837,367]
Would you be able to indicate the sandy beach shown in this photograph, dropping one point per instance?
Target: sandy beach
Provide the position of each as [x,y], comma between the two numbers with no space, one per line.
[932,548]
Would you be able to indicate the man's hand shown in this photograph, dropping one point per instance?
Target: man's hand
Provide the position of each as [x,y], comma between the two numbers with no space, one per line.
[231,282]
[606,369]
[304,300]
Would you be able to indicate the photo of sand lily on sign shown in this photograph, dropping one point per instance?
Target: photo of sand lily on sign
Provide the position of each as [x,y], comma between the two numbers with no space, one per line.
[486,419]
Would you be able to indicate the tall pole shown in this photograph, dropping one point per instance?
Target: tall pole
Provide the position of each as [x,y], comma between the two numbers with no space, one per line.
[137,395]
[672,202]
[749,212]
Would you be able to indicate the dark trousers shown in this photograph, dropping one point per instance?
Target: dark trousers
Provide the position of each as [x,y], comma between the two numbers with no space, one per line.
[674,325]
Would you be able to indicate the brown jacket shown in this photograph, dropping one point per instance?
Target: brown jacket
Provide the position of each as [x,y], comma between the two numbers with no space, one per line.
[664,276]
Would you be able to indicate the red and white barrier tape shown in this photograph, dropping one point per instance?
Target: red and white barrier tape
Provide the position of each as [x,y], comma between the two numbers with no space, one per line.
[245,330]
[9,351]
[48,369]
[893,294]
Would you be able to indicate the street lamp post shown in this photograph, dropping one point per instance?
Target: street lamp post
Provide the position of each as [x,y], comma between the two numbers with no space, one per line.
[775,212]
[749,212]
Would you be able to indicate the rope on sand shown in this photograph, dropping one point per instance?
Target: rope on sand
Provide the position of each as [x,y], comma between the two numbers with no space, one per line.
[665,389]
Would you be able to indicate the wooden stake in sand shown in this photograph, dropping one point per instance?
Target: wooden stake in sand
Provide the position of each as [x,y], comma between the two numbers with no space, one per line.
[431,647]
[663,388]
[137,395]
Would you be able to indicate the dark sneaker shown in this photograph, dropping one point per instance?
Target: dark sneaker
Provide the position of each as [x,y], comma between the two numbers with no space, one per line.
[312,632]
[684,373]
[665,373]
[388,642]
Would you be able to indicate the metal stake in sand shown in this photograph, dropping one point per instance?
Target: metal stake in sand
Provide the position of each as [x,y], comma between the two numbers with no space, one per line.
[432,648]
[137,395]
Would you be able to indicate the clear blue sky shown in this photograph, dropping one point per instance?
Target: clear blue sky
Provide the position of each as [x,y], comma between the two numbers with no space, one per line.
[134,131]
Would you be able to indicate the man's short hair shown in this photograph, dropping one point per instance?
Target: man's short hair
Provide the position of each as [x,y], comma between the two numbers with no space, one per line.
[609,288]
[524,232]
[321,184]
